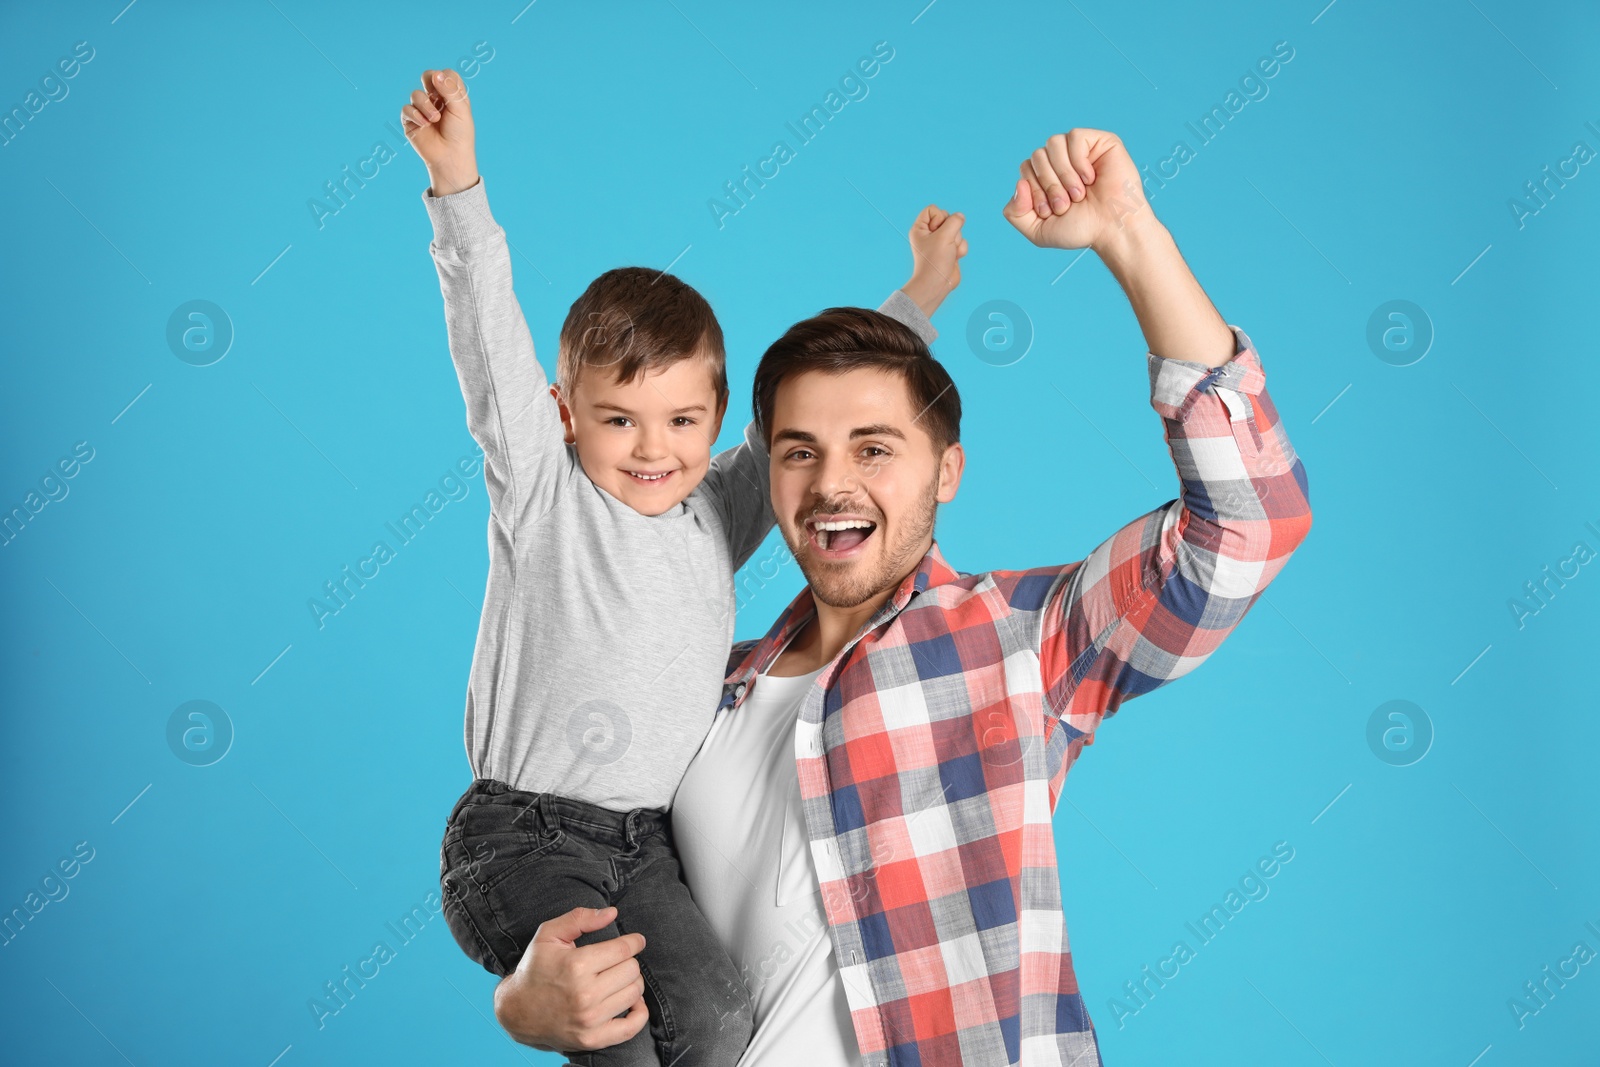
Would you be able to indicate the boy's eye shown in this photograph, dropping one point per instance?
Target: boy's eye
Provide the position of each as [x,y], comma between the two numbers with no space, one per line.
[617,420]
[684,420]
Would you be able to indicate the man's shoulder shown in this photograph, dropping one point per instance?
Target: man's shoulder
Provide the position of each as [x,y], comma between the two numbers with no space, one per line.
[1019,590]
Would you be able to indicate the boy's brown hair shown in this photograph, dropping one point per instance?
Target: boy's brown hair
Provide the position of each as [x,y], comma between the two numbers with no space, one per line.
[845,339]
[632,320]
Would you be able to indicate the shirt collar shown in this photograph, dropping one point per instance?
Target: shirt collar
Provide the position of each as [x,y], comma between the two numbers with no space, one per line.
[931,571]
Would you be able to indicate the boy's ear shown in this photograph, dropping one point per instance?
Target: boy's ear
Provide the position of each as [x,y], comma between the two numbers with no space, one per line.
[951,464]
[716,420]
[566,414]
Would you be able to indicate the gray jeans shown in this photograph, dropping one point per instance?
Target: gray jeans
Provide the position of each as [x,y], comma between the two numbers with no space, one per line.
[512,859]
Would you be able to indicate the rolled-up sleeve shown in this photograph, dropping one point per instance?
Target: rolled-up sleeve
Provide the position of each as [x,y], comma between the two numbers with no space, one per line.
[1154,600]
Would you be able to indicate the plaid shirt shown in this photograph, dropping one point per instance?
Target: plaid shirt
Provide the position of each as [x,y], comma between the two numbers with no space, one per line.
[933,748]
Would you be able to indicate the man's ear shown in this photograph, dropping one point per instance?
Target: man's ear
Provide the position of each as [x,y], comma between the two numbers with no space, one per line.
[951,464]
[566,414]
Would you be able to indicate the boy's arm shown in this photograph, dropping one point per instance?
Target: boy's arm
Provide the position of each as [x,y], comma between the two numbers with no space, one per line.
[510,411]
[739,479]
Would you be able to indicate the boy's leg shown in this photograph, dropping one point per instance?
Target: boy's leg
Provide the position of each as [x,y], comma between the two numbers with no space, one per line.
[506,866]
[701,1011]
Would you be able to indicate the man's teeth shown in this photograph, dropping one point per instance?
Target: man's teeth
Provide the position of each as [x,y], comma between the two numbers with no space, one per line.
[826,530]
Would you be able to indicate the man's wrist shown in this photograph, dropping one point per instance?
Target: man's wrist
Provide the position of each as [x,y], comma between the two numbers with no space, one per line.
[1138,238]
[505,997]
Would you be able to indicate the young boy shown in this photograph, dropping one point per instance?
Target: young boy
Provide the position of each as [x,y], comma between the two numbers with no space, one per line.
[614,536]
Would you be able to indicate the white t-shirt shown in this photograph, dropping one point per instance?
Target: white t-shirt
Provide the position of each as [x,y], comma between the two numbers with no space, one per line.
[741,836]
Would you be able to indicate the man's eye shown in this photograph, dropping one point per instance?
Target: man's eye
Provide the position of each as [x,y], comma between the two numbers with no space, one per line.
[799,453]
[874,452]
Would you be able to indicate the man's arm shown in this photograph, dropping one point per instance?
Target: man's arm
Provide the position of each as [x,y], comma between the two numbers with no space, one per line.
[739,479]
[510,411]
[1160,595]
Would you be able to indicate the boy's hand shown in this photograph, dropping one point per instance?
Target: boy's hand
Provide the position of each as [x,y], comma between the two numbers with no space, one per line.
[1080,190]
[438,123]
[936,250]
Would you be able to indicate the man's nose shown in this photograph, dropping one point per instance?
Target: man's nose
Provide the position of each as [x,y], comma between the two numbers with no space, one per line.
[836,478]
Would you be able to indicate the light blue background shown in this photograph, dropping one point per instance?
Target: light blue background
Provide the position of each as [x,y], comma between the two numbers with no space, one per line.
[1379,167]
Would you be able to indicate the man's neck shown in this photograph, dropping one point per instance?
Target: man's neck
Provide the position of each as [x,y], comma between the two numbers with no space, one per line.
[826,635]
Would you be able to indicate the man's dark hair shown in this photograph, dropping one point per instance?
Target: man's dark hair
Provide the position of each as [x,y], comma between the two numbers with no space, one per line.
[631,320]
[845,339]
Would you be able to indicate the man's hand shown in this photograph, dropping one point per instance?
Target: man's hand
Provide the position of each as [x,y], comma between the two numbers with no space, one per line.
[1080,190]
[936,250]
[438,123]
[566,998]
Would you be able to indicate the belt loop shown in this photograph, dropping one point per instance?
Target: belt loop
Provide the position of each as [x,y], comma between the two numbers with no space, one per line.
[630,828]
[547,815]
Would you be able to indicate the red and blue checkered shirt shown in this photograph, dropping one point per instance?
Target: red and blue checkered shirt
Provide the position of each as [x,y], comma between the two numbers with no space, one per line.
[932,749]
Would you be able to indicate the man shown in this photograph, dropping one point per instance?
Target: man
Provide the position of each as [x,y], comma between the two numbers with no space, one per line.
[930,748]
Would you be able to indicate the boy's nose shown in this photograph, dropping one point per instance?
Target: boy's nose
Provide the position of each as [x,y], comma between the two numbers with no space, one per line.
[650,444]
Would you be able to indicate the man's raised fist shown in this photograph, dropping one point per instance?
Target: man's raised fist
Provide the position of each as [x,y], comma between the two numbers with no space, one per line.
[1079,190]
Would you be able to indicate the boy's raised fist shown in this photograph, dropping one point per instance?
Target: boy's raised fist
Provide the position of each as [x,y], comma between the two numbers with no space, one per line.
[438,123]
[936,250]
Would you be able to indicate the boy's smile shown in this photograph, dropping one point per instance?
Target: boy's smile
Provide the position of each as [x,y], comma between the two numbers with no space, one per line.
[646,442]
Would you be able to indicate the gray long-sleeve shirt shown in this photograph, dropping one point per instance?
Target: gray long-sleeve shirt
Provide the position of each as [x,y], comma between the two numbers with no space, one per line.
[605,633]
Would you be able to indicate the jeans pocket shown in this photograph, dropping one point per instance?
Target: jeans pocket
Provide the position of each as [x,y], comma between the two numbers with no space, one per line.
[468,929]
[485,846]
[463,903]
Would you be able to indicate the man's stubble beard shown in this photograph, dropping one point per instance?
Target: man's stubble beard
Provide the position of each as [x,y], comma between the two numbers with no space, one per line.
[843,586]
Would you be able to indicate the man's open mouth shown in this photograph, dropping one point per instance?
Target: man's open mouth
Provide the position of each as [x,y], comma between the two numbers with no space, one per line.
[838,536]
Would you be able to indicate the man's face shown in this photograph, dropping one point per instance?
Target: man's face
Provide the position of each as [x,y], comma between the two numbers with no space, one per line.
[647,443]
[856,481]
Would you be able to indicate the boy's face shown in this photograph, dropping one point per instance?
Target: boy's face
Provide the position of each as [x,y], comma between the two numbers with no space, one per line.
[648,442]
[848,450]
